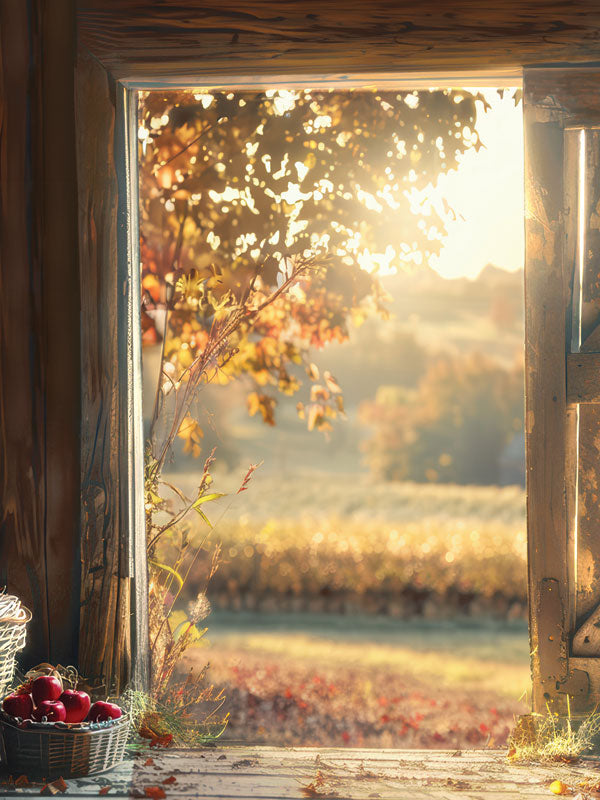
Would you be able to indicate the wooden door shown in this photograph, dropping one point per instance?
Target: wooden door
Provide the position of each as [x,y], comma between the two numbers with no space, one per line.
[562,295]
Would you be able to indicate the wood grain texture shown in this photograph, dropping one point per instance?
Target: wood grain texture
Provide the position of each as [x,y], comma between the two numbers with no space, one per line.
[144,38]
[249,772]
[583,378]
[39,323]
[567,100]
[547,303]
[588,541]
[105,623]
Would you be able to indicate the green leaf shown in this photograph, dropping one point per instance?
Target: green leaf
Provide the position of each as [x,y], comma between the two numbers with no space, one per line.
[203,515]
[179,623]
[168,569]
[206,498]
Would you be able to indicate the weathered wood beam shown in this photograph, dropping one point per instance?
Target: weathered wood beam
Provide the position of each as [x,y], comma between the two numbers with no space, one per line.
[139,39]
[547,302]
[583,378]
[114,591]
[39,323]
[586,373]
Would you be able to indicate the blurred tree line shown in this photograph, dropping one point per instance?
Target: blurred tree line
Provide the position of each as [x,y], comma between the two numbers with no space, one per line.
[454,427]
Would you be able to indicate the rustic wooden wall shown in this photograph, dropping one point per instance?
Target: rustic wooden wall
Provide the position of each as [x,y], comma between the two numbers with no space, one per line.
[39,323]
[562,288]
[40,375]
[105,644]
[145,38]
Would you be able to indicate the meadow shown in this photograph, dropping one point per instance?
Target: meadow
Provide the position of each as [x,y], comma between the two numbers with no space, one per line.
[343,544]
[348,612]
[327,680]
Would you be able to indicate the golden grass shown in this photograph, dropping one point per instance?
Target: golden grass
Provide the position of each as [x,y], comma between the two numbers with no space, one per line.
[550,739]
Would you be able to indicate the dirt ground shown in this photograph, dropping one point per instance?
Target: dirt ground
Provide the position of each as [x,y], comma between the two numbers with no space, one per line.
[319,680]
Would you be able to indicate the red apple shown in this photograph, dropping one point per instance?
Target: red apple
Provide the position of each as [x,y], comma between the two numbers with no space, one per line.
[18,705]
[101,711]
[77,705]
[46,687]
[53,710]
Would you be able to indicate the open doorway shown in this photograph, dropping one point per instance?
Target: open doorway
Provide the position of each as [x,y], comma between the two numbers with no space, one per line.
[368,584]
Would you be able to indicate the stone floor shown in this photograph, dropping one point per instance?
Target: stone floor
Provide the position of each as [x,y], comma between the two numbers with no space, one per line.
[266,773]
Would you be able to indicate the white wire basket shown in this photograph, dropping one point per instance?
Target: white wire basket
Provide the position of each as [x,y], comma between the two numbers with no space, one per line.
[13,621]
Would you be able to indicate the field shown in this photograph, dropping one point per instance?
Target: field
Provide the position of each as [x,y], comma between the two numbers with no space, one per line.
[368,682]
[341,544]
[384,615]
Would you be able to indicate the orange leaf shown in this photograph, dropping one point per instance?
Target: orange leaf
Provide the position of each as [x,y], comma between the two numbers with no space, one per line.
[162,741]
[105,790]
[171,779]
[146,732]
[149,762]
[154,792]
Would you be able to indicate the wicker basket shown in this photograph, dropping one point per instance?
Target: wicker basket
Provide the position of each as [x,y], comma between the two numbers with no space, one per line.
[13,620]
[53,750]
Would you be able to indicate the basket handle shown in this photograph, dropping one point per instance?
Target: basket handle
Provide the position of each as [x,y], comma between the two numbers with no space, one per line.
[24,617]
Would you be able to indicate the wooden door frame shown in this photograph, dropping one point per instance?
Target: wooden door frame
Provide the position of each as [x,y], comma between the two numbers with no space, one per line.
[84,56]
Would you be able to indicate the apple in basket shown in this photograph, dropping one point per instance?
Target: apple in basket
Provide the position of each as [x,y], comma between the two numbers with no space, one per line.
[102,711]
[53,710]
[46,687]
[18,705]
[77,705]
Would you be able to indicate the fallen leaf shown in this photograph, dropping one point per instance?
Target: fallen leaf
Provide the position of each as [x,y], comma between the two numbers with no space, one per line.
[245,762]
[318,788]
[105,790]
[312,791]
[55,787]
[149,762]
[171,779]
[154,792]
[162,741]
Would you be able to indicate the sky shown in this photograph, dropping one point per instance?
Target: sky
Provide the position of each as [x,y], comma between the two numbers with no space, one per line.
[486,192]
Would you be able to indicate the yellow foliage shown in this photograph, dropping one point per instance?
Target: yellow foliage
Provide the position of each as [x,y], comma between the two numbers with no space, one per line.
[179,624]
[192,434]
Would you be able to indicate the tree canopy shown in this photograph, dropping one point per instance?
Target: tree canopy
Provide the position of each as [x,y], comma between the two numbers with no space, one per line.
[240,188]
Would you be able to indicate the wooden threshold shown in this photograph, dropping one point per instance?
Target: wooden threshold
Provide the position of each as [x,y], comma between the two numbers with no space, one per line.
[267,773]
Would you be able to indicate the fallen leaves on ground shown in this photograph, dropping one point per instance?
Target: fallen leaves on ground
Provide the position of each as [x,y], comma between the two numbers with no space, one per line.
[283,701]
